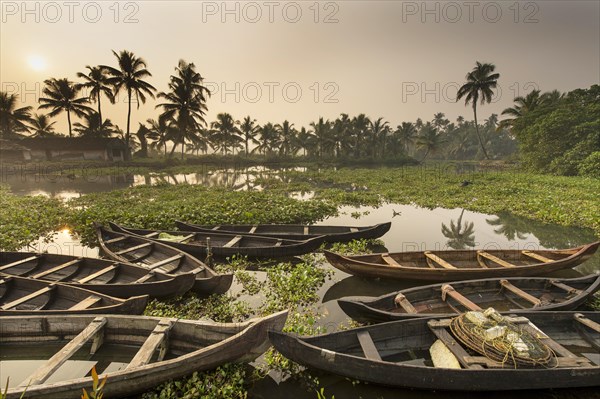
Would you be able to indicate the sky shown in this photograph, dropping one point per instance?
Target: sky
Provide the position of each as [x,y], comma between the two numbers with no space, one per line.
[303,60]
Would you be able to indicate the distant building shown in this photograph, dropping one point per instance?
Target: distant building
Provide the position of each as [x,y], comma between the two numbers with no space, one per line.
[11,151]
[77,148]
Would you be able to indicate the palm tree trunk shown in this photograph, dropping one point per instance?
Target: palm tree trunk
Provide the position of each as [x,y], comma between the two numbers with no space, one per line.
[426,153]
[99,109]
[69,120]
[182,148]
[128,116]
[477,130]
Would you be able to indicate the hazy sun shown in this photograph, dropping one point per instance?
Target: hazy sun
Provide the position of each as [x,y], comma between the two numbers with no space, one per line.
[36,62]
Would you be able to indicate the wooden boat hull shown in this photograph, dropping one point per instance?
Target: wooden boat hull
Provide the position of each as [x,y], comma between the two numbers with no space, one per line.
[195,345]
[23,296]
[460,265]
[116,279]
[553,294]
[251,246]
[294,231]
[150,253]
[341,353]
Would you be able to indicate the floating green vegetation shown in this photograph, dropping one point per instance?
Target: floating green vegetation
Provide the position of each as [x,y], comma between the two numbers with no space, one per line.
[570,201]
[24,219]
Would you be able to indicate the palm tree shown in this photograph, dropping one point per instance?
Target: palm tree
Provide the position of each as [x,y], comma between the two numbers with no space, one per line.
[360,125]
[378,130]
[522,106]
[321,130]
[440,122]
[161,132]
[12,119]
[62,97]
[226,130]
[97,81]
[429,139]
[305,140]
[129,77]
[459,236]
[480,83]
[92,126]
[185,102]
[249,131]
[40,126]
[286,137]
[510,226]
[407,132]
[268,139]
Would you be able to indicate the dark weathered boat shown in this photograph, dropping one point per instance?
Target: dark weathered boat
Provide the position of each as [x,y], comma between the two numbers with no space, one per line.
[397,354]
[154,255]
[505,295]
[107,277]
[461,264]
[226,245]
[136,353]
[23,296]
[294,231]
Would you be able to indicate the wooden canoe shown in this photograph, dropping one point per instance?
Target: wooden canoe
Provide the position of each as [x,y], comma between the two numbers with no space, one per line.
[225,245]
[461,264]
[505,295]
[136,353]
[294,231]
[113,278]
[397,354]
[154,255]
[24,296]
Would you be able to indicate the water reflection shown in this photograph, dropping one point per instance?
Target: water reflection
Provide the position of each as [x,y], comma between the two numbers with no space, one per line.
[459,236]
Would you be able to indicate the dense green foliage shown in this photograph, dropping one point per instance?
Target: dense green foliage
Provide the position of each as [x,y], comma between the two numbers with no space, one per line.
[562,136]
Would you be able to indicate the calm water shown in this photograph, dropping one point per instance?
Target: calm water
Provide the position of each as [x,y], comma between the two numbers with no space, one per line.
[413,228]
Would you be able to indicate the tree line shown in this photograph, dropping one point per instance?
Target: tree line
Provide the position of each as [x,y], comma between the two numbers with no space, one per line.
[181,122]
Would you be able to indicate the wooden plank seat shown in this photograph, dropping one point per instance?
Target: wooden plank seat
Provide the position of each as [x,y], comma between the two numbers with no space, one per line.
[587,322]
[519,292]
[145,278]
[368,346]
[305,230]
[27,298]
[353,229]
[539,257]
[253,229]
[570,290]
[44,372]
[448,290]
[58,268]
[232,242]
[86,303]
[279,242]
[156,340]
[134,248]
[404,303]
[165,261]
[432,257]
[19,262]
[99,273]
[494,259]
[390,261]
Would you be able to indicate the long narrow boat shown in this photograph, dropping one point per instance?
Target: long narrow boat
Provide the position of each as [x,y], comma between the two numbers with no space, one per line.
[505,295]
[226,245]
[24,296]
[107,277]
[157,256]
[397,354]
[53,355]
[293,231]
[462,264]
